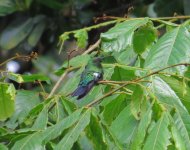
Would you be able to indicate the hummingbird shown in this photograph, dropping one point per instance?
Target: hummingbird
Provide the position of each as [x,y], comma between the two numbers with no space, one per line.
[92,73]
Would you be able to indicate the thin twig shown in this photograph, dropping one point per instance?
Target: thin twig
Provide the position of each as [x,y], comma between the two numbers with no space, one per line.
[92,47]
[69,57]
[42,87]
[135,80]
[120,19]
[33,55]
[60,80]
[118,82]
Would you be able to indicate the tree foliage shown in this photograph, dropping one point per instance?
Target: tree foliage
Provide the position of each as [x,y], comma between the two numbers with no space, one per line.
[142,103]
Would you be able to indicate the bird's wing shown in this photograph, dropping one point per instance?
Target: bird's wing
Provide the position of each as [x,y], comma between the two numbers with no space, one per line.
[86,78]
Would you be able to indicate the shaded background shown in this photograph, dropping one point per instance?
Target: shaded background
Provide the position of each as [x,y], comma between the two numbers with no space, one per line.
[35,25]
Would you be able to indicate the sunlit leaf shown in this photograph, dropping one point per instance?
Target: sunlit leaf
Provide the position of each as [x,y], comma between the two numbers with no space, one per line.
[3,147]
[7,100]
[182,91]
[27,78]
[70,138]
[182,121]
[126,57]
[62,39]
[166,95]
[120,36]
[25,101]
[137,143]
[172,48]
[34,140]
[124,126]
[42,119]
[179,143]
[158,139]
[82,37]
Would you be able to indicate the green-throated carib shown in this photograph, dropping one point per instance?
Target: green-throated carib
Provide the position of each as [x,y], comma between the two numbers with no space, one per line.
[90,76]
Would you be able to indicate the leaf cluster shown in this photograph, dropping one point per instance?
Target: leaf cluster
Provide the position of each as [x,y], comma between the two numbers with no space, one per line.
[142,103]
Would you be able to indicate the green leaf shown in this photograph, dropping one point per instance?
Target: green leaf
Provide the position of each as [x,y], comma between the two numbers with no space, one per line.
[94,132]
[110,139]
[112,109]
[27,78]
[25,101]
[182,122]
[136,101]
[71,137]
[166,95]
[83,142]
[13,35]
[62,39]
[42,119]
[120,36]
[78,61]
[124,126]
[57,110]
[69,106]
[123,73]
[3,147]
[82,37]
[7,7]
[71,83]
[38,139]
[172,48]
[126,57]
[179,143]
[137,143]
[181,90]
[187,73]
[36,33]
[56,130]
[30,118]
[144,38]
[7,100]
[158,139]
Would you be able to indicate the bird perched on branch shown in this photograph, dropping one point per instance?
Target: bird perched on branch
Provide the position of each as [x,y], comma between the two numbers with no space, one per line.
[90,76]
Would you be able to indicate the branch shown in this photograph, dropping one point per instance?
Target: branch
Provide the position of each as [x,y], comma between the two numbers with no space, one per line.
[60,81]
[33,55]
[130,82]
[92,47]
[118,82]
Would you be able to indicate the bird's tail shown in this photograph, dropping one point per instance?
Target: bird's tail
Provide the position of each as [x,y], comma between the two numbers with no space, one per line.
[81,91]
